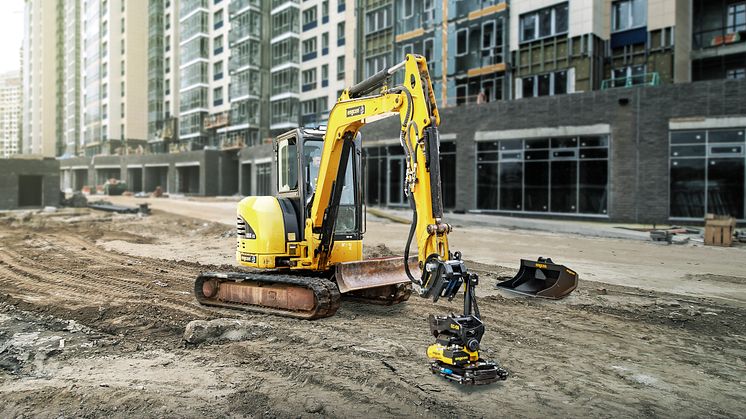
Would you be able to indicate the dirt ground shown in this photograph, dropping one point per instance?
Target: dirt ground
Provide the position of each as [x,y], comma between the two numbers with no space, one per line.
[93,308]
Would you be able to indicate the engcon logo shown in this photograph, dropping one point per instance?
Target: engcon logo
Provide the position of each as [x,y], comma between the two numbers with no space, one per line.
[357,110]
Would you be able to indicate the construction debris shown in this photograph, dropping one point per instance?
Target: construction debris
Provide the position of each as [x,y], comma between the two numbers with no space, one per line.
[143,209]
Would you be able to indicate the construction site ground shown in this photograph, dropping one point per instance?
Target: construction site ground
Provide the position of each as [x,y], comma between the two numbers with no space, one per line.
[94,306]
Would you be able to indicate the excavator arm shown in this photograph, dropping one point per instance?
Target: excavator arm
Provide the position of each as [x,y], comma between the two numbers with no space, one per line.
[414,102]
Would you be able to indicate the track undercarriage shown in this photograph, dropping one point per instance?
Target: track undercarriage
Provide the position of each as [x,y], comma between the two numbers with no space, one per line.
[289,295]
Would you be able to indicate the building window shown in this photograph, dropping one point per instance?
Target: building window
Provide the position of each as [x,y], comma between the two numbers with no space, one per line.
[375,64]
[448,173]
[308,80]
[462,42]
[488,35]
[736,74]
[167,21]
[567,175]
[217,19]
[628,76]
[325,75]
[737,17]
[408,8]
[378,20]
[217,96]
[550,21]
[308,112]
[324,43]
[217,45]
[627,14]
[341,67]
[264,179]
[325,11]
[340,34]
[549,84]
[309,18]
[707,173]
[309,49]
[217,70]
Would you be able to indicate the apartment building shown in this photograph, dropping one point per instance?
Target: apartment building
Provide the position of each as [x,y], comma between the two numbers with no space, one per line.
[718,40]
[470,34]
[10,111]
[284,65]
[115,61]
[42,68]
[71,77]
[375,51]
[245,121]
[203,82]
[325,51]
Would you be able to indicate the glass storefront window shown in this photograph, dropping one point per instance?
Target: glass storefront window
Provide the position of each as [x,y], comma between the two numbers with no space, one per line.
[707,170]
[564,175]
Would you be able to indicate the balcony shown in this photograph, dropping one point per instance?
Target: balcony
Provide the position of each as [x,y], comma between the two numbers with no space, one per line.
[646,79]
[217,120]
[238,5]
[718,37]
[408,24]
[278,3]
[188,6]
[464,7]
[482,59]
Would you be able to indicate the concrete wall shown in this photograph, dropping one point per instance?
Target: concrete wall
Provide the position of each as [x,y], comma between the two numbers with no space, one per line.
[11,169]
[208,161]
[639,125]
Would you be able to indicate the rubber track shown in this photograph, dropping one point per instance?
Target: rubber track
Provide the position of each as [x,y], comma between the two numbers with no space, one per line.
[325,291]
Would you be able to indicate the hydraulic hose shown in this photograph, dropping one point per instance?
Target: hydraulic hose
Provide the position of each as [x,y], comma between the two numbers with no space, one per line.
[412,229]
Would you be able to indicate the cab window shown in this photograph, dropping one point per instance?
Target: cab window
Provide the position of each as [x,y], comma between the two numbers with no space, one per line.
[287,165]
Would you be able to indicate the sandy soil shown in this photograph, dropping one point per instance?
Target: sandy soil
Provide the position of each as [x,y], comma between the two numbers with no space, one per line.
[93,309]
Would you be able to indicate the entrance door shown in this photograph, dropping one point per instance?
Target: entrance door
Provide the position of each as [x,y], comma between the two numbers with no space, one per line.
[29,191]
[396,169]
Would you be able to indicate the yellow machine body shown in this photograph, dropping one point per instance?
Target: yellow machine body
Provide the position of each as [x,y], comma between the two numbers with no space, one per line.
[272,247]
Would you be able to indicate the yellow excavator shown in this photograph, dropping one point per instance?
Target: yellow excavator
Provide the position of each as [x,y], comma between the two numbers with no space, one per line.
[306,242]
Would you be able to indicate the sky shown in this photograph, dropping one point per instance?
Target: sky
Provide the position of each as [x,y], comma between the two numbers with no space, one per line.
[11,35]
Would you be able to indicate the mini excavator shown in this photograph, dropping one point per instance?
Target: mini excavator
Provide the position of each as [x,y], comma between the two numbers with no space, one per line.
[306,242]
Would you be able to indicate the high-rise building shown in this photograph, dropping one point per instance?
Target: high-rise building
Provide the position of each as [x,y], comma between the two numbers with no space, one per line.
[116,76]
[566,47]
[42,78]
[718,40]
[284,65]
[326,47]
[10,106]
[375,49]
[203,87]
[71,77]
[246,97]
[471,35]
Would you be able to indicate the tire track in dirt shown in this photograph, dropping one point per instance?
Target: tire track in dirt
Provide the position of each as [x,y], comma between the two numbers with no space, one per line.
[57,270]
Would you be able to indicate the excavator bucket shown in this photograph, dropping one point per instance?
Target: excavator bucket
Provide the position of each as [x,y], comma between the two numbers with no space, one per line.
[542,278]
[365,277]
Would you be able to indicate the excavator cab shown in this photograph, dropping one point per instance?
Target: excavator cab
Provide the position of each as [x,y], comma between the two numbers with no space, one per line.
[298,163]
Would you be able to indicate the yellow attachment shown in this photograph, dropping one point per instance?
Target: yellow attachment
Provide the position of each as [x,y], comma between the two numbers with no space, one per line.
[436,352]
